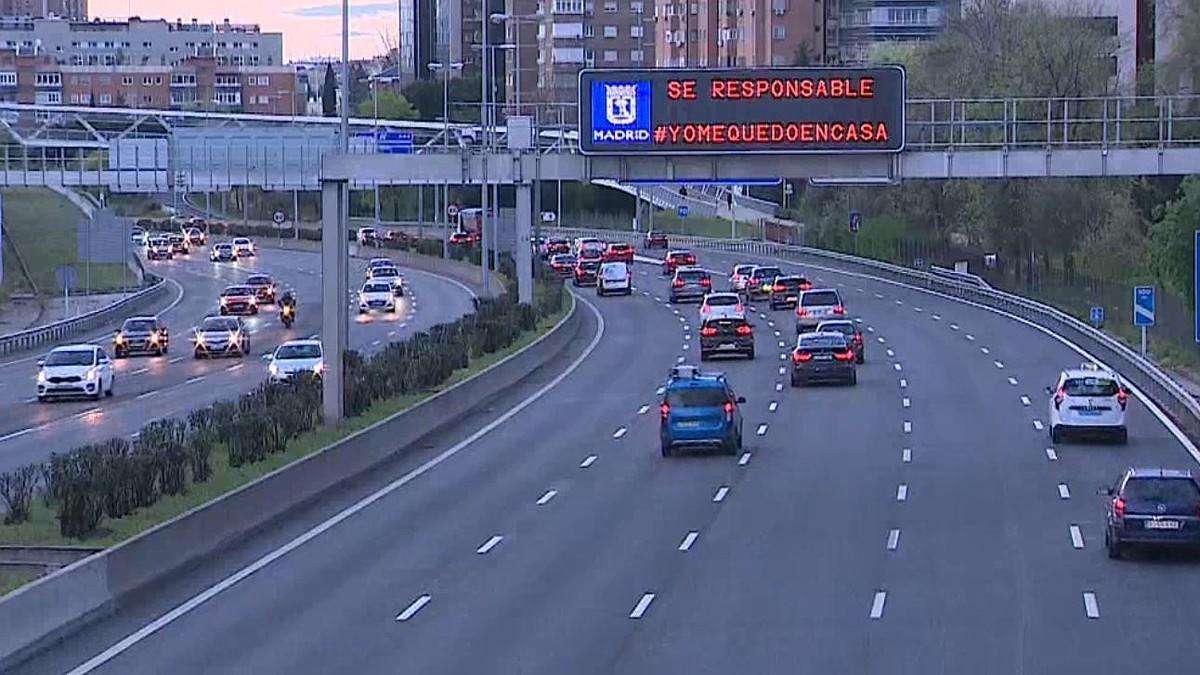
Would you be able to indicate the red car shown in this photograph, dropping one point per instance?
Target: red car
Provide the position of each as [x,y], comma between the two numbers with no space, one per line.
[619,253]
[563,264]
[676,259]
[461,239]
[655,240]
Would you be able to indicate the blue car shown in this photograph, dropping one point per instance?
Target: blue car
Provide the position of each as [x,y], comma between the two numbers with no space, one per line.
[700,410]
[1152,507]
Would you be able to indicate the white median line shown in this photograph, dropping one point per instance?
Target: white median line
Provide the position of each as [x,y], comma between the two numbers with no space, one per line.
[545,499]
[1076,537]
[412,609]
[688,540]
[762,430]
[15,434]
[745,459]
[236,366]
[1037,424]
[906,455]
[177,359]
[902,492]
[639,610]
[194,380]
[619,432]
[587,461]
[721,493]
[147,394]
[893,540]
[774,405]
[1025,400]
[877,604]
[87,413]
[139,371]
[905,402]
[1064,492]
[1051,455]
[903,383]
[489,545]
[1090,607]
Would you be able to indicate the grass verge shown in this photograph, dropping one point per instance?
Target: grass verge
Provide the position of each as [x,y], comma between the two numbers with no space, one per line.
[13,579]
[42,527]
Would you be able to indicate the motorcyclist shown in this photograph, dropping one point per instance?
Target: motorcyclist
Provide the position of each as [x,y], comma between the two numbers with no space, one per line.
[287,307]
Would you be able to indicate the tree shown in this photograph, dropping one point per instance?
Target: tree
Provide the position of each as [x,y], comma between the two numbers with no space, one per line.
[360,88]
[1181,67]
[803,55]
[329,92]
[392,106]
[426,96]
[1171,238]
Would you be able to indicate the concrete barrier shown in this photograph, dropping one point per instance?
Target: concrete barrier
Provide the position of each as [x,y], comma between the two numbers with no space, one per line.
[49,609]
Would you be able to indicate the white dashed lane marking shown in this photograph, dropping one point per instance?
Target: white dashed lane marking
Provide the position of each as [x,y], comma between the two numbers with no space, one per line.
[1091,608]
[545,498]
[953,326]
[893,540]
[906,455]
[1012,381]
[587,461]
[903,383]
[985,350]
[1076,537]
[761,431]
[744,459]
[619,432]
[1064,492]
[412,609]
[907,427]
[489,545]
[877,604]
[905,402]
[687,542]
[999,364]
[902,492]
[1037,424]
[642,410]
[639,610]
[773,406]
[778,386]
[970,337]
[1051,455]
[1025,400]
[721,493]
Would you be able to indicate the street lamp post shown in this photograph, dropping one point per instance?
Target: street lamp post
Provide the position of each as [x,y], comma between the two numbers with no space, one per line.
[517,19]
[445,69]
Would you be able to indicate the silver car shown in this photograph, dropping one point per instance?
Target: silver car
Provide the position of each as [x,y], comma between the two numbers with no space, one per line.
[817,305]
[690,283]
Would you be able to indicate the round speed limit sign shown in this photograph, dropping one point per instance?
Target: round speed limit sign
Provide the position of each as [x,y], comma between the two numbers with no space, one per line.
[279,217]
[452,210]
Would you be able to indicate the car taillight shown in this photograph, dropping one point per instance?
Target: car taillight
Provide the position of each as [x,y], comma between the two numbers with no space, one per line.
[691,260]
[728,407]
[800,311]
[806,286]
[708,331]
[779,288]
[1122,399]
[801,357]
[857,339]
[839,310]
[844,356]
[665,410]
[677,283]
[1058,397]
[743,330]
[706,282]
[1119,507]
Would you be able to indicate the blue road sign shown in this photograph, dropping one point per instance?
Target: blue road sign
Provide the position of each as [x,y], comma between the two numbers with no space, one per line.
[1143,305]
[1097,316]
[394,142]
[855,221]
[683,210]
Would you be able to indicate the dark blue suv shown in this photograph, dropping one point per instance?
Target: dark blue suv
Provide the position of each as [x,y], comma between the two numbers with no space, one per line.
[1152,507]
[700,410]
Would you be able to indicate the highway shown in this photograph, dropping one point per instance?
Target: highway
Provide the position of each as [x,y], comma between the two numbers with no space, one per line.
[919,523]
[150,388]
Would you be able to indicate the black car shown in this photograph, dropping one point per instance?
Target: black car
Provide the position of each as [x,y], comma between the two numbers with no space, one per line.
[585,272]
[1154,507]
[762,281]
[726,335]
[786,291]
[850,330]
[264,288]
[141,335]
[823,357]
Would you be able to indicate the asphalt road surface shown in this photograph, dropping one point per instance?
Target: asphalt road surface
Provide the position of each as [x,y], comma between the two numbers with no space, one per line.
[150,388]
[920,523]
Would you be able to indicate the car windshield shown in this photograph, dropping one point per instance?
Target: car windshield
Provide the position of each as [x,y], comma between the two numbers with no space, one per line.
[692,275]
[385,272]
[241,242]
[71,357]
[259,281]
[743,269]
[139,326]
[216,323]
[614,271]
[696,397]
[722,300]
[681,255]
[1090,386]
[767,272]
[1173,492]
[589,266]
[843,327]
[619,247]
[303,351]
[821,341]
[377,288]
[788,282]
[562,260]
[223,247]
[820,298]
[236,291]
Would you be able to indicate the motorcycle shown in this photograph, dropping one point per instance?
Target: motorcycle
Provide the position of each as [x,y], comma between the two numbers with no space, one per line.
[287,314]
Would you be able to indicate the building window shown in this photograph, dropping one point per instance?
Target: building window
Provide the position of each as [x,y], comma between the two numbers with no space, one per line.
[636,31]
[48,98]
[127,81]
[610,55]
[907,16]
[610,6]
[637,55]
[8,79]
[145,45]
[105,99]
[48,80]
[637,6]
[610,31]
[779,33]
[147,81]
[589,30]
[74,99]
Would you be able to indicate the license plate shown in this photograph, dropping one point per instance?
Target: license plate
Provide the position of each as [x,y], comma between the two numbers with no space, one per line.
[823,357]
[1162,524]
[1090,413]
[727,345]
[791,298]
[687,425]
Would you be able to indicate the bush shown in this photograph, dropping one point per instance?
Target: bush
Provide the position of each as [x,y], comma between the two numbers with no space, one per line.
[81,505]
[16,489]
[202,437]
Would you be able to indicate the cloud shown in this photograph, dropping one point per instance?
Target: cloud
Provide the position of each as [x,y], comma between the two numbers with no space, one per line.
[333,10]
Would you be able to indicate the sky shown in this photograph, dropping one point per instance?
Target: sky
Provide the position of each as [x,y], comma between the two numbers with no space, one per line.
[310,27]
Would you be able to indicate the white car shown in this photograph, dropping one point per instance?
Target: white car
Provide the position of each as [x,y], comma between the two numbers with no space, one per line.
[390,274]
[722,306]
[739,276]
[75,370]
[376,295]
[367,235]
[295,357]
[614,277]
[243,247]
[138,236]
[1088,400]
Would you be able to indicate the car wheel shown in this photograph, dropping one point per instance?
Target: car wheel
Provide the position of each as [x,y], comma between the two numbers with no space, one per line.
[860,359]
[254,312]
[224,311]
[666,450]
[197,354]
[1055,434]
[853,379]
[246,349]
[628,291]
[118,354]
[111,384]
[166,348]
[703,355]
[1113,546]
[750,354]
[796,382]
[1122,436]
[41,399]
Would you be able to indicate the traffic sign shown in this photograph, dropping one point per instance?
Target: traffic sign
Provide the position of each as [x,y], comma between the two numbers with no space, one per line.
[452,210]
[1097,315]
[66,276]
[855,221]
[1143,306]
[549,216]
[394,142]
[919,263]
[683,210]
[279,217]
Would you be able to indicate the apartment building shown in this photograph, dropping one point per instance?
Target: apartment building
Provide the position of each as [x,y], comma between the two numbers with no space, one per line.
[853,26]
[577,34]
[141,42]
[75,10]
[740,33]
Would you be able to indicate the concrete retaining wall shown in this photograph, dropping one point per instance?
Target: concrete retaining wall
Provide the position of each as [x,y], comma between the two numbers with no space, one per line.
[48,609]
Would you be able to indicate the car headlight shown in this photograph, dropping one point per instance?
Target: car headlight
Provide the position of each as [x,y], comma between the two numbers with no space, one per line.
[253,300]
[154,338]
[41,377]
[273,369]
[319,368]
[224,300]
[119,339]
[93,373]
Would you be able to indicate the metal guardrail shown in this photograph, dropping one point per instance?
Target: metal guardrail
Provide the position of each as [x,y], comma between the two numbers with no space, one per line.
[965,277]
[1144,374]
[36,337]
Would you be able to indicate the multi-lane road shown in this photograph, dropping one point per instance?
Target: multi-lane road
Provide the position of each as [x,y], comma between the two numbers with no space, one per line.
[148,388]
[920,522]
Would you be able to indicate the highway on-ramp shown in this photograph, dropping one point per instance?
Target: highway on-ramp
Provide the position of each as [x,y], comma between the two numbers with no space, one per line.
[150,388]
[920,522]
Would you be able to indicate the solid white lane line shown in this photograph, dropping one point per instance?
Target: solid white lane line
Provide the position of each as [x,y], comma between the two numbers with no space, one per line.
[902,492]
[762,430]
[1051,455]
[970,337]
[1037,424]
[489,545]
[744,459]
[177,359]
[642,410]
[639,610]
[877,604]
[412,609]
[893,540]
[906,455]
[139,371]
[1063,491]
[897,366]
[903,383]
[907,427]
[147,394]
[905,402]
[545,499]
[587,461]
[985,350]
[688,540]
[1091,608]
[720,495]
[778,386]
[86,413]
[619,432]
[236,366]
[15,434]
[891,353]
[1076,537]
[1025,401]
[999,364]
[773,406]
[194,380]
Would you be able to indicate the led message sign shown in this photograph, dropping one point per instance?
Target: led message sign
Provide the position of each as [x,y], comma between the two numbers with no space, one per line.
[760,110]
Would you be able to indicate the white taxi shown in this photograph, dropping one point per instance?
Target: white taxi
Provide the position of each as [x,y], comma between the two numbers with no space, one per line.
[1088,400]
[614,277]
[376,295]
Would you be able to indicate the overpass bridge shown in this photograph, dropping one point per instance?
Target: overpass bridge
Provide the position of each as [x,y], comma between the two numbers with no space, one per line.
[154,151]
